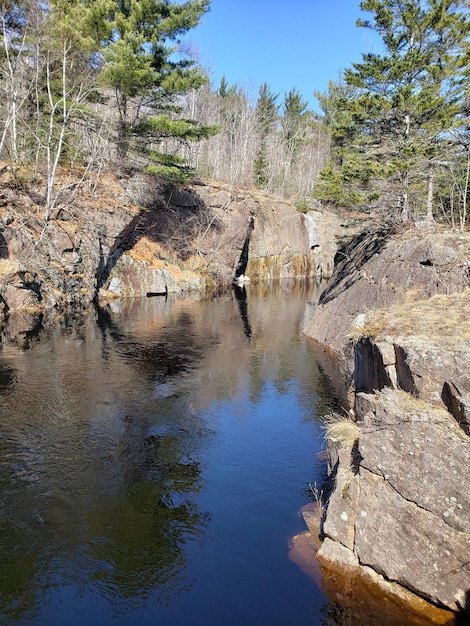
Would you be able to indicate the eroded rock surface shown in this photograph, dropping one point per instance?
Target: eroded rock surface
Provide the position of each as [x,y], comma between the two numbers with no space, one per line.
[380,269]
[363,595]
[139,236]
[400,504]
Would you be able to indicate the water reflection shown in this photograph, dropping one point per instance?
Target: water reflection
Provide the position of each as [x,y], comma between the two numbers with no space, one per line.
[98,475]
[140,533]
[240,295]
[110,426]
[7,379]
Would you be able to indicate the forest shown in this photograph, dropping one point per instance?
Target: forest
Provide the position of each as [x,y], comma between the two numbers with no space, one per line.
[96,85]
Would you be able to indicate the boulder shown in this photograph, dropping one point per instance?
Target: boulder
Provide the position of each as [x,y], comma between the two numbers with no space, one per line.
[20,288]
[406,544]
[366,597]
[405,511]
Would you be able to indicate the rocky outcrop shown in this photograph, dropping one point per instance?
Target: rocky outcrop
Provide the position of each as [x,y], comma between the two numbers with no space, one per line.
[359,594]
[292,245]
[206,234]
[283,243]
[379,269]
[139,236]
[400,505]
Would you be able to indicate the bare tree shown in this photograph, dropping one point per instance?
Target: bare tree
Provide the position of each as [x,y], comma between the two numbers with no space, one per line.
[231,155]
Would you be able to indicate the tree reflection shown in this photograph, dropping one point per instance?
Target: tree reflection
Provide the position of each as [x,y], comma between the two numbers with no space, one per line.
[99,476]
[104,443]
[142,532]
[8,378]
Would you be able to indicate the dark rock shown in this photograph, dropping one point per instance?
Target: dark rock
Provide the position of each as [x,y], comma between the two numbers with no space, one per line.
[406,378]
[369,370]
[458,404]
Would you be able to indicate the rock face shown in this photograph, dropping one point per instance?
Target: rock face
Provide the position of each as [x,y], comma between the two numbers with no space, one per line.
[287,245]
[403,509]
[379,269]
[141,236]
[281,242]
[364,596]
[400,504]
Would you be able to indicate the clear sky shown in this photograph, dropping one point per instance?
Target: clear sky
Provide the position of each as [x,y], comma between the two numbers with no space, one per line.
[285,43]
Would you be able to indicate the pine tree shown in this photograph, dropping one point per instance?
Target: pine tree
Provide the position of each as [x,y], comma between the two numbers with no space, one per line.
[346,180]
[266,115]
[142,68]
[226,91]
[408,98]
[295,120]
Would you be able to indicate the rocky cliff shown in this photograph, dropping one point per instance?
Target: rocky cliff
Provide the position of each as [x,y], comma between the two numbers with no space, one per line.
[395,316]
[139,236]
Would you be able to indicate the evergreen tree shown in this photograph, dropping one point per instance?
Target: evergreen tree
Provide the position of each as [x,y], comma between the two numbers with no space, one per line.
[266,108]
[140,64]
[226,91]
[346,180]
[266,115]
[295,120]
[295,123]
[408,97]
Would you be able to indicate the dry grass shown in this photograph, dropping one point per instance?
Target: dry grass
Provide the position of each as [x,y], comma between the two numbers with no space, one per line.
[341,429]
[443,318]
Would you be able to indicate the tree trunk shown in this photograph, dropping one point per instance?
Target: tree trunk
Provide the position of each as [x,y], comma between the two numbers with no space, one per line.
[404,199]
[122,140]
[463,212]
[53,159]
[429,215]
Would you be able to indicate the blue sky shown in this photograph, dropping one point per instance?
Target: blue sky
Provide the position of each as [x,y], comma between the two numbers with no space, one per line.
[285,43]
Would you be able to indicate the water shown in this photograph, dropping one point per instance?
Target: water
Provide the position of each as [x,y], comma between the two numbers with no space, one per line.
[153,459]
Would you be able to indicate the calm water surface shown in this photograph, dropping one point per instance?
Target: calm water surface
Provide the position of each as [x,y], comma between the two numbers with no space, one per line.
[153,458]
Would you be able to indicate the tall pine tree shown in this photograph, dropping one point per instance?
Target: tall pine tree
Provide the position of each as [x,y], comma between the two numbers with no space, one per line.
[266,115]
[295,120]
[408,98]
[142,67]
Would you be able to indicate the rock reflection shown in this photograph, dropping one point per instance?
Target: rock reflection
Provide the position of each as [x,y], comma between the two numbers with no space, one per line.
[358,595]
[240,295]
[7,379]
[22,329]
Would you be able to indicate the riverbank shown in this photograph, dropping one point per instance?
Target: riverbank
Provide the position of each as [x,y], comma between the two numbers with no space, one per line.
[120,237]
[392,294]
[395,318]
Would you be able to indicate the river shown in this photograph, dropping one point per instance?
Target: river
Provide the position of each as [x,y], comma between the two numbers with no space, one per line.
[154,456]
